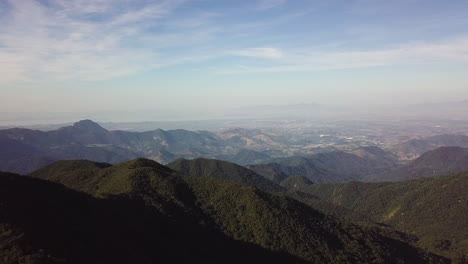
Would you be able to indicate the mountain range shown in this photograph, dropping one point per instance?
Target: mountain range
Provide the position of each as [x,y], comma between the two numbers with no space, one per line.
[24,150]
[88,140]
[335,166]
[437,162]
[433,209]
[415,147]
[162,215]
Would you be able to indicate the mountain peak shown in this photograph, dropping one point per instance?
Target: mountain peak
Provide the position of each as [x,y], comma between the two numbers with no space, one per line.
[87,125]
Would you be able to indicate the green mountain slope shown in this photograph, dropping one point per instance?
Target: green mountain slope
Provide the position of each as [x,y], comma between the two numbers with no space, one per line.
[247,156]
[416,147]
[243,213]
[434,209]
[44,222]
[335,166]
[225,171]
[438,162]
[271,171]
[296,182]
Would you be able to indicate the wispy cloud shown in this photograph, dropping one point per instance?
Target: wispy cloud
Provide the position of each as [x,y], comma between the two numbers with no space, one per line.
[269,53]
[103,39]
[268,4]
[449,51]
[82,39]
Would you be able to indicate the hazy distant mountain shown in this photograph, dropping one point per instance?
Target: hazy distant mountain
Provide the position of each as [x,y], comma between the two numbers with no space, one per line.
[247,156]
[278,111]
[336,166]
[254,139]
[158,213]
[433,209]
[438,162]
[415,147]
[88,140]
[455,110]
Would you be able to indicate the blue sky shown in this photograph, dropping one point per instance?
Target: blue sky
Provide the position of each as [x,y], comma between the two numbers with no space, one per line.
[105,55]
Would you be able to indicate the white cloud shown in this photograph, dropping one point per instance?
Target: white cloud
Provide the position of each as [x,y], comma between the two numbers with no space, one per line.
[103,39]
[268,4]
[269,53]
[62,40]
[449,51]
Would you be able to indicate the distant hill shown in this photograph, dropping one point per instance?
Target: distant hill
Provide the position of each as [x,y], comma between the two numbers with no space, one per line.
[247,156]
[433,209]
[415,147]
[226,210]
[438,162]
[254,139]
[225,171]
[335,166]
[88,140]
[271,171]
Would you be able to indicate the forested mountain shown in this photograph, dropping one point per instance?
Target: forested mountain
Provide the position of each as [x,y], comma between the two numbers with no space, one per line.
[223,170]
[438,162]
[433,209]
[247,156]
[296,182]
[44,222]
[336,166]
[224,209]
[88,140]
[415,147]
[271,171]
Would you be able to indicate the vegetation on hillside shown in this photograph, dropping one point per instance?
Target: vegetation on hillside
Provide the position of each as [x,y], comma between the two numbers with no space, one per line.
[433,209]
[43,222]
[243,213]
[225,171]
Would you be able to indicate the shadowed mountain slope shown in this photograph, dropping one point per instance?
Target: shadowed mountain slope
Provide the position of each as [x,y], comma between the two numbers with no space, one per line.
[247,156]
[225,171]
[438,162]
[44,222]
[434,209]
[244,213]
[296,182]
[335,166]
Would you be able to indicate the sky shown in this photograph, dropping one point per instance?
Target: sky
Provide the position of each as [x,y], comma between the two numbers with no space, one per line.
[74,56]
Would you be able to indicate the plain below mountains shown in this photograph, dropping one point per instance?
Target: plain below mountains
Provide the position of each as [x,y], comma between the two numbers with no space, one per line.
[143,212]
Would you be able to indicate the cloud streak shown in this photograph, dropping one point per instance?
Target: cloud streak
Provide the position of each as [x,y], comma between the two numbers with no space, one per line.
[84,40]
[90,40]
[449,51]
[268,4]
[268,53]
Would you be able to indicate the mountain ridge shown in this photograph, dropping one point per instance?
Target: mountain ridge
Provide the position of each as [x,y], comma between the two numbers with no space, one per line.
[438,162]
[273,222]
